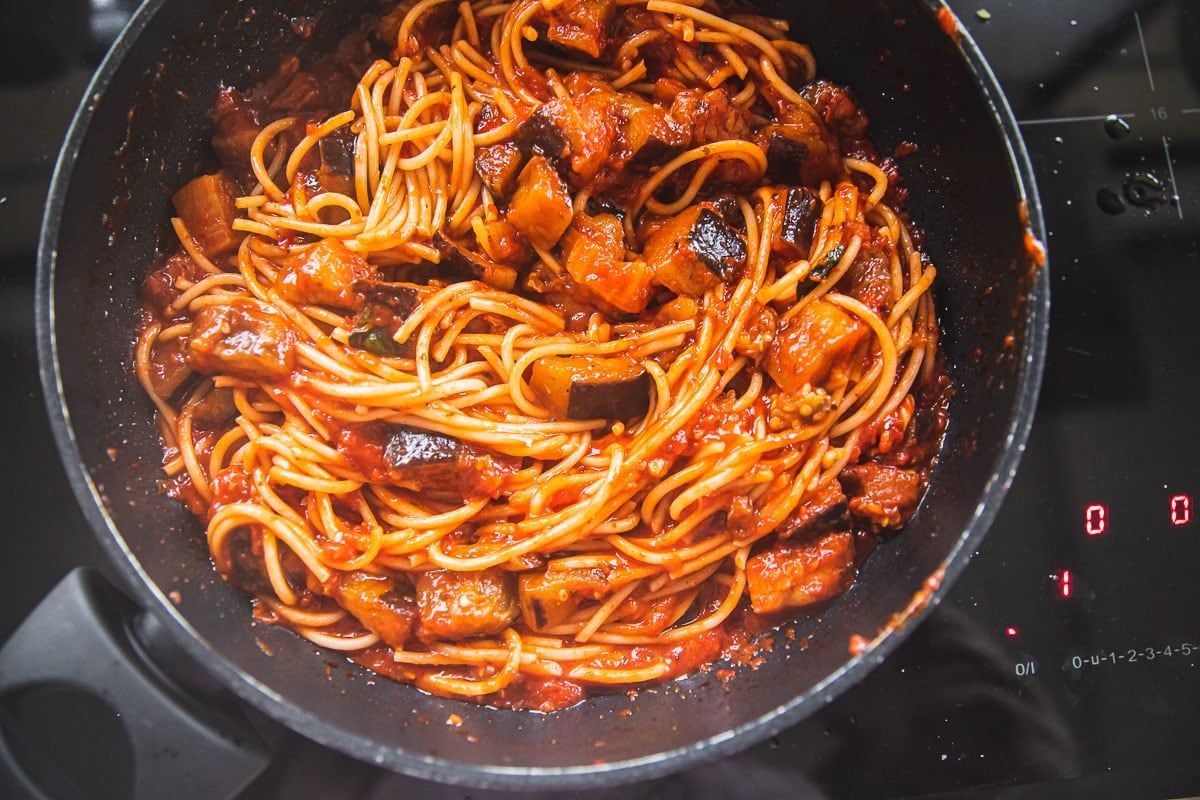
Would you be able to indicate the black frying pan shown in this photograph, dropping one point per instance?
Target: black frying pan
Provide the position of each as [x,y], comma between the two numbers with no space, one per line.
[142,132]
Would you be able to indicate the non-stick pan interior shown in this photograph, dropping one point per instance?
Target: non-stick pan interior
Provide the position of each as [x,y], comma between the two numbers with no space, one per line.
[144,132]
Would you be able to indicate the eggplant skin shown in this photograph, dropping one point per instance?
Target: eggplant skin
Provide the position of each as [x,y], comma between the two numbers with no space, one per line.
[408,447]
[717,245]
[623,400]
[592,387]
[801,211]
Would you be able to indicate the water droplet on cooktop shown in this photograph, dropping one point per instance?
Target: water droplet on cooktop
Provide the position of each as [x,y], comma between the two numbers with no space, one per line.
[1144,189]
[1109,201]
[1116,126]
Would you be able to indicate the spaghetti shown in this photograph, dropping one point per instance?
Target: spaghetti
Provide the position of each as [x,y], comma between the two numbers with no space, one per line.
[585,336]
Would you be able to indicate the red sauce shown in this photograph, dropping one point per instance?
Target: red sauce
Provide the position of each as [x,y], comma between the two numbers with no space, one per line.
[948,23]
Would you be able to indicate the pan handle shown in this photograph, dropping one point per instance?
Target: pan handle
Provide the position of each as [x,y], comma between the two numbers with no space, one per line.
[84,712]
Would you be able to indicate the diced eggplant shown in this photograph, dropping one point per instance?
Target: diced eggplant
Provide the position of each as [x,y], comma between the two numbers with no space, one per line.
[380,603]
[837,108]
[398,298]
[461,264]
[337,151]
[425,461]
[576,133]
[824,511]
[240,339]
[652,136]
[324,274]
[541,206]
[797,575]
[784,155]
[500,241]
[541,134]
[711,116]
[498,166]
[549,597]
[869,279]
[717,244]
[594,257]
[386,305]
[461,605]
[169,366]
[801,210]
[237,121]
[215,407]
[240,566]
[581,25]
[208,206]
[800,149]
[592,387]
[694,251]
[884,496]
[407,447]
[809,345]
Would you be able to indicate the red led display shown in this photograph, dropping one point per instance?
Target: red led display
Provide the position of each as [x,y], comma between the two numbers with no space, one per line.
[1065,586]
[1181,510]
[1011,631]
[1095,519]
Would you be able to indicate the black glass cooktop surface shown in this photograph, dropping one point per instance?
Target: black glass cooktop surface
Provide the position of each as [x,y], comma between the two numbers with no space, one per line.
[1066,660]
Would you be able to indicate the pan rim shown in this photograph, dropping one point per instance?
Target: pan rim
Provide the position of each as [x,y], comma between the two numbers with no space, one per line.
[150,596]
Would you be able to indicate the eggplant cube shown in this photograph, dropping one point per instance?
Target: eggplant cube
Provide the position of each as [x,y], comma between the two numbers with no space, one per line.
[695,251]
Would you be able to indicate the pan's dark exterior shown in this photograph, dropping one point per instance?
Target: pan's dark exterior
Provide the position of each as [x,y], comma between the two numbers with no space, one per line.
[143,132]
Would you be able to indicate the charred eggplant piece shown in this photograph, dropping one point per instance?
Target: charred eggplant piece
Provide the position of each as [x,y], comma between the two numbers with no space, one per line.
[460,264]
[717,244]
[784,156]
[800,148]
[380,604]
[549,597]
[881,495]
[398,298]
[541,134]
[425,461]
[653,136]
[337,151]
[694,251]
[592,387]
[801,210]
[825,511]
[407,448]
[498,166]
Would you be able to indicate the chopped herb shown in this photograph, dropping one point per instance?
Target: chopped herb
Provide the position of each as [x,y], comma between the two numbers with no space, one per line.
[831,260]
[377,341]
[820,270]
